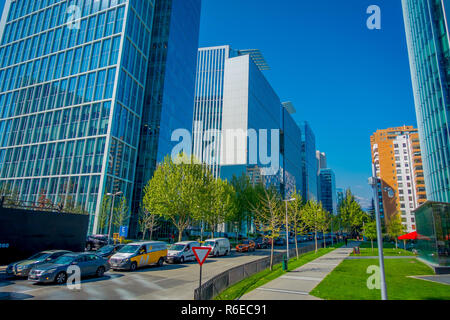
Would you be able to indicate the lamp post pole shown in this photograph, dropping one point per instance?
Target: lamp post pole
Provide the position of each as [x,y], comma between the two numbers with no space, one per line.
[373,183]
[287,227]
[111,213]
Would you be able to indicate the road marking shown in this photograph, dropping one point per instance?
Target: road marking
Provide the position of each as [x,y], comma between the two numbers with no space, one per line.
[302,278]
[283,291]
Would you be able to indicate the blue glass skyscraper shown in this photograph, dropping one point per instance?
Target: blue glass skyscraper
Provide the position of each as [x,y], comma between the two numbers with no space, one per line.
[427,33]
[72,77]
[309,162]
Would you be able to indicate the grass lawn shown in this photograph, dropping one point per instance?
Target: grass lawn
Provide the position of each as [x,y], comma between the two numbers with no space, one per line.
[349,282]
[387,252]
[258,279]
[386,245]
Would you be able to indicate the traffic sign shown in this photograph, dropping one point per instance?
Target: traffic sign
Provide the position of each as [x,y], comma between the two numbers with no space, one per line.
[123,231]
[201,253]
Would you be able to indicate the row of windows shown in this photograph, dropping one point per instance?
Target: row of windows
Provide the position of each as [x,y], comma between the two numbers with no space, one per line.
[78,122]
[53,159]
[76,90]
[63,37]
[121,160]
[98,55]
[77,189]
[130,93]
[134,62]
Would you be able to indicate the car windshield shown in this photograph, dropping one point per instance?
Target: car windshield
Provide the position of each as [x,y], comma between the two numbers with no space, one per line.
[105,249]
[39,256]
[177,247]
[129,249]
[209,244]
[64,260]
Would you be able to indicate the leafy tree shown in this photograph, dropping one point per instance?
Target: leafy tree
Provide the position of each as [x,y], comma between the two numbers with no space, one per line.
[324,223]
[370,231]
[148,221]
[395,228]
[351,214]
[10,196]
[268,215]
[121,214]
[104,214]
[295,217]
[43,201]
[221,203]
[176,191]
[313,217]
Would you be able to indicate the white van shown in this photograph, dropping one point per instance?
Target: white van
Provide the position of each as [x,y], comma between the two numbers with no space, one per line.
[219,246]
[139,254]
[181,252]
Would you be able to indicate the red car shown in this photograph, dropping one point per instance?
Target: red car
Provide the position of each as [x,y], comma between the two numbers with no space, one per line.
[246,246]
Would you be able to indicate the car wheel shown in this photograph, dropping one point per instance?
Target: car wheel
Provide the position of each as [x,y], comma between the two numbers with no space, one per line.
[182,260]
[160,262]
[100,272]
[89,247]
[61,278]
[226,252]
[133,266]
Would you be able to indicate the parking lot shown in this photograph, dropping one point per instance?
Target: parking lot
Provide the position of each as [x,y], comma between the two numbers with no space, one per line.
[171,281]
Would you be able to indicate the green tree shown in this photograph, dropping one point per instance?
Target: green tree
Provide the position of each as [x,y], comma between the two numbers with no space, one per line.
[324,224]
[313,216]
[295,217]
[176,192]
[370,231]
[351,214]
[268,216]
[121,214]
[395,228]
[221,202]
[104,214]
[148,221]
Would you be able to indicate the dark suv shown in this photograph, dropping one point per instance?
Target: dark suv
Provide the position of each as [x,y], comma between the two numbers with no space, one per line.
[96,241]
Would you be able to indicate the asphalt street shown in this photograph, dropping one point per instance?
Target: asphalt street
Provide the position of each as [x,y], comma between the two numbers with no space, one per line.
[169,282]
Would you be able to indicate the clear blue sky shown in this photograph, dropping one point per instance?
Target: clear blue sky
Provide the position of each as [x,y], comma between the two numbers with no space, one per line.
[346,80]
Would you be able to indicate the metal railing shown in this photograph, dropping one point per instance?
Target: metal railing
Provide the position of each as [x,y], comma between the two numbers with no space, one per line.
[216,285]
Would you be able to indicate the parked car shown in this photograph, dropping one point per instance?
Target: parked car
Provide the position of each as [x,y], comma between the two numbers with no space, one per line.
[109,250]
[23,268]
[262,243]
[56,271]
[96,241]
[181,252]
[139,254]
[219,246]
[280,242]
[246,246]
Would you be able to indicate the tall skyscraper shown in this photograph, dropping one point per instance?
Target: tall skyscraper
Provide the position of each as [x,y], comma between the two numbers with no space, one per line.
[397,165]
[309,162]
[427,33]
[327,194]
[234,100]
[169,94]
[321,161]
[70,100]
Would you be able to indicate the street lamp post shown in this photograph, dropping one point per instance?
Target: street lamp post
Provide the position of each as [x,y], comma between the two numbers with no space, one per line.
[111,213]
[287,227]
[373,183]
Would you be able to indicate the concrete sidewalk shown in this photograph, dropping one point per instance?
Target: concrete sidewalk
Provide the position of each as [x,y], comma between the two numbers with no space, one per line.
[297,284]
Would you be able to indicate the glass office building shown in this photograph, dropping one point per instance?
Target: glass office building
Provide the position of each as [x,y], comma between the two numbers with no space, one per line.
[327,190]
[72,77]
[433,228]
[309,162]
[427,33]
[169,95]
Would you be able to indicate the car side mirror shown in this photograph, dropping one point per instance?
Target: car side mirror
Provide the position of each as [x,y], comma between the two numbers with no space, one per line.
[74,263]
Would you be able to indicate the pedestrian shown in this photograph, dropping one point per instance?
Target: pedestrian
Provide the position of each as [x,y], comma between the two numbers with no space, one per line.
[173,238]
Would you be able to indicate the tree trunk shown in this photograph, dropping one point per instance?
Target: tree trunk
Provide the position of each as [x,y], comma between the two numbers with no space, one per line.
[324,241]
[180,234]
[296,246]
[151,234]
[396,247]
[143,235]
[371,242]
[315,239]
[271,257]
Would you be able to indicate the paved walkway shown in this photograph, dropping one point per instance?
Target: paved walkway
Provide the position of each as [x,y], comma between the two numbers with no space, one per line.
[297,284]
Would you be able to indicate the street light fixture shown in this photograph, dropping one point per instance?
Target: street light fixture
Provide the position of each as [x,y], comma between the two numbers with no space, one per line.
[111,213]
[287,227]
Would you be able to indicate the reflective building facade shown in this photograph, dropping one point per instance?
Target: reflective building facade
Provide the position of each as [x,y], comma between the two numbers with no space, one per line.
[427,32]
[309,162]
[70,100]
[327,190]
[169,94]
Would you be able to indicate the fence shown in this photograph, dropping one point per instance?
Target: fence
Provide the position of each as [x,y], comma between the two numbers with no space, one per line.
[219,283]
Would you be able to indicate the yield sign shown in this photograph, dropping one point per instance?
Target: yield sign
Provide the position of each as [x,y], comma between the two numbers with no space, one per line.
[201,253]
